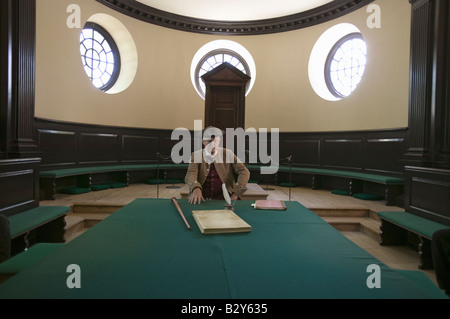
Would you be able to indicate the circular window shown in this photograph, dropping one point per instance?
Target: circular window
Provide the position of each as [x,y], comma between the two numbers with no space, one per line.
[213,54]
[337,62]
[345,65]
[100,56]
[216,58]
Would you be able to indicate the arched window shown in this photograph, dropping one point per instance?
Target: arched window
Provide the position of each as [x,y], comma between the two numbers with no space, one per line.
[215,58]
[99,55]
[216,52]
[345,65]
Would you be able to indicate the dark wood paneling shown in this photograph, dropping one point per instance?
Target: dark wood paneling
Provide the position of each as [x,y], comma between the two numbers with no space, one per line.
[428,193]
[427,187]
[420,81]
[304,152]
[367,151]
[429,115]
[17,89]
[64,144]
[98,148]
[137,148]
[19,185]
[343,153]
[384,154]
[59,147]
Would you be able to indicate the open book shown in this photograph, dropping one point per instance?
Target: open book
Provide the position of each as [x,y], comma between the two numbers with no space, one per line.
[274,204]
[219,222]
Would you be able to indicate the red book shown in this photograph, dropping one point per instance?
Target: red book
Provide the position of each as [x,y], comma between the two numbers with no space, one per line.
[274,204]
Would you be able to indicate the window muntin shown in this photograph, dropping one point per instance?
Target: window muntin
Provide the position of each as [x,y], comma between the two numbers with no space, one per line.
[100,56]
[345,65]
[215,58]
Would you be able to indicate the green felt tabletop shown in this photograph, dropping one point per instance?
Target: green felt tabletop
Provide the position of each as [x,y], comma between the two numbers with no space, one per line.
[27,258]
[144,250]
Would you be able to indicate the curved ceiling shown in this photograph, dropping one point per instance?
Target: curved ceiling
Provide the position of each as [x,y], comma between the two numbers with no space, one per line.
[235,17]
[234,10]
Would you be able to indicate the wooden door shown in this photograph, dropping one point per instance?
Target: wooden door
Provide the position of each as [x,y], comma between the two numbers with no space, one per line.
[225,97]
[224,109]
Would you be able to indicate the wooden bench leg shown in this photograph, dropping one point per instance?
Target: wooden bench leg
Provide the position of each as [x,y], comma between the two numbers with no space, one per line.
[19,244]
[83,181]
[391,194]
[48,186]
[124,177]
[316,182]
[424,247]
[52,232]
[355,186]
[391,234]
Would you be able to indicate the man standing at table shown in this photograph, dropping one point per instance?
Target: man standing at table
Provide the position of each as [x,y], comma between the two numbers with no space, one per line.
[212,166]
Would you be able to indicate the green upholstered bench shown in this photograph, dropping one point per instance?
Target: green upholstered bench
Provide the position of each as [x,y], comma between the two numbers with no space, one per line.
[36,225]
[396,229]
[393,185]
[83,176]
[26,259]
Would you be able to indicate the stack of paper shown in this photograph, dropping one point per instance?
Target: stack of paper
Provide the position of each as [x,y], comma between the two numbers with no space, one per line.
[219,222]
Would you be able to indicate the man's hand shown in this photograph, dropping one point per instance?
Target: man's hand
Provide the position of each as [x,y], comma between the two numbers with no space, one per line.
[196,196]
[234,196]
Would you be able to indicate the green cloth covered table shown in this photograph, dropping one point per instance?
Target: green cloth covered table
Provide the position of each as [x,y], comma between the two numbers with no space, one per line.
[27,258]
[145,250]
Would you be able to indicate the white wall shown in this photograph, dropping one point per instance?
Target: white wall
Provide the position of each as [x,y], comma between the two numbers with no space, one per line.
[162,96]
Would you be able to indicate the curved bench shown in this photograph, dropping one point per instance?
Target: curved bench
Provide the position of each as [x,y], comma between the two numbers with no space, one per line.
[48,178]
[83,176]
[393,185]
[394,230]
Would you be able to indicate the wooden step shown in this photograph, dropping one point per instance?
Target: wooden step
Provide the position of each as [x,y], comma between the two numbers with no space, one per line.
[74,224]
[341,212]
[344,223]
[95,208]
[371,228]
[85,215]
[365,225]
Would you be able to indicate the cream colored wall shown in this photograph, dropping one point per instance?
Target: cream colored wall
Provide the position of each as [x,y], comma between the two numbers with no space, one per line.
[162,96]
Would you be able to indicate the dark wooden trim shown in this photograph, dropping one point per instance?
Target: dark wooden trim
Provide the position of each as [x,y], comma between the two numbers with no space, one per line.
[18,41]
[427,193]
[429,115]
[19,185]
[372,151]
[305,19]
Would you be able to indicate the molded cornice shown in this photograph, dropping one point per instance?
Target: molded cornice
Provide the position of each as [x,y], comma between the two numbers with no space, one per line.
[305,19]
